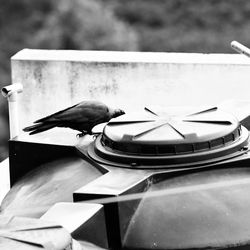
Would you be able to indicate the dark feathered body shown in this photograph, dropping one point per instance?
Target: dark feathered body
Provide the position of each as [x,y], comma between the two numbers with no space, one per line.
[82,117]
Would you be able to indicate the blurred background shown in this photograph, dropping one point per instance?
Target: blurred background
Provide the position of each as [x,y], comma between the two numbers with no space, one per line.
[206,26]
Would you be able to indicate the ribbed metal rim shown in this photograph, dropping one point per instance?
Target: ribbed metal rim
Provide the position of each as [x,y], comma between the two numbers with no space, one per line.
[103,155]
[173,149]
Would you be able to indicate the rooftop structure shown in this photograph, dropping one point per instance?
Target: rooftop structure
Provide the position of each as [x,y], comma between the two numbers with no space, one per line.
[173,173]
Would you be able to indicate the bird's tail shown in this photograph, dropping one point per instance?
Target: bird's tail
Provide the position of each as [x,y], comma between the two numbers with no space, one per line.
[40,127]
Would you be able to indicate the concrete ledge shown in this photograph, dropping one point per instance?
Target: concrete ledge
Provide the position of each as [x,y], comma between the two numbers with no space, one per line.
[54,80]
[128,57]
[4,178]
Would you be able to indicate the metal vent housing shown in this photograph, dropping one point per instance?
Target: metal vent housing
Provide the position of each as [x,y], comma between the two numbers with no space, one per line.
[158,140]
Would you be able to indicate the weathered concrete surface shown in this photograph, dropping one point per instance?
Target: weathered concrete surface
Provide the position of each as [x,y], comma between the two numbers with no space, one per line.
[131,80]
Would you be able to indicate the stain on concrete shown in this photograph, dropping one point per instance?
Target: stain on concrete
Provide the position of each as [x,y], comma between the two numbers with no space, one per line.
[38,69]
[73,70]
[110,86]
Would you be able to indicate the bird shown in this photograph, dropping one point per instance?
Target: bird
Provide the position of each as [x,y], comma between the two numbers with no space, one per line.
[81,117]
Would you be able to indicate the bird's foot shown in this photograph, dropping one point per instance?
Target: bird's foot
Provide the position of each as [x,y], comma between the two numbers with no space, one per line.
[80,135]
[95,135]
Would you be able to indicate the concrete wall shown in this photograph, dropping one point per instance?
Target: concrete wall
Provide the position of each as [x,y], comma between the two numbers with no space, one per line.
[53,80]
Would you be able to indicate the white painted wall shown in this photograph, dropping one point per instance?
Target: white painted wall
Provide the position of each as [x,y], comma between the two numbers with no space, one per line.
[54,80]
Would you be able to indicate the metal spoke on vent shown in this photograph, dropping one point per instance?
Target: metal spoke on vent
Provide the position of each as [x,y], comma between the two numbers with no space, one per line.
[130,122]
[150,111]
[206,119]
[176,130]
[150,130]
[204,111]
[211,122]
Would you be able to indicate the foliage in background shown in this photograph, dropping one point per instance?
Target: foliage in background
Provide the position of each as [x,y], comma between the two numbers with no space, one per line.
[84,25]
[187,25]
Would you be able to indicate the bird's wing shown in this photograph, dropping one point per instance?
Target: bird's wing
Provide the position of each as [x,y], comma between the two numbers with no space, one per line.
[80,113]
[52,116]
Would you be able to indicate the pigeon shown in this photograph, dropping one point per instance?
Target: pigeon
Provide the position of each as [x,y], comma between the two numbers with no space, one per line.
[82,117]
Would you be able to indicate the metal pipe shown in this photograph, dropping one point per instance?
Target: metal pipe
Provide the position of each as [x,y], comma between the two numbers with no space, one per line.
[240,48]
[11,93]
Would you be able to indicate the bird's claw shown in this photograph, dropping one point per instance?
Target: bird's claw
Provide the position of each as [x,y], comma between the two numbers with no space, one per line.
[95,135]
[80,135]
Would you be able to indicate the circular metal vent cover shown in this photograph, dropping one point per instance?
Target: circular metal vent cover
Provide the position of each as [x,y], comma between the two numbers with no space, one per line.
[157,140]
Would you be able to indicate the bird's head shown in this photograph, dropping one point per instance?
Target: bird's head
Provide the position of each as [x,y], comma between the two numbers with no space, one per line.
[117,112]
